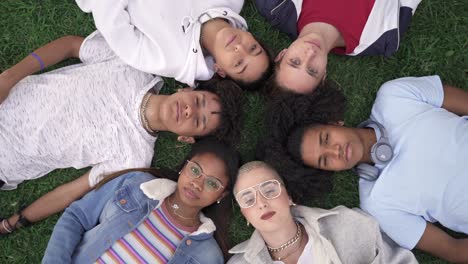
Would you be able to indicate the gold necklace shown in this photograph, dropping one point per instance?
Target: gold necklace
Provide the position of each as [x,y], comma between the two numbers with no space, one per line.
[143,118]
[288,243]
[289,254]
[176,207]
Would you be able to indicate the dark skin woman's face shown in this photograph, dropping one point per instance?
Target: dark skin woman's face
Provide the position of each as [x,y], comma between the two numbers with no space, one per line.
[198,191]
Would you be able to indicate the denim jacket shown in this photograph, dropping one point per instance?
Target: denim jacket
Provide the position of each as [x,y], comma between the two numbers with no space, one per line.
[339,235]
[91,225]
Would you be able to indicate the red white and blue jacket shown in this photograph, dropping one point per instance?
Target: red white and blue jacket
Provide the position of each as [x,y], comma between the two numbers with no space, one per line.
[386,23]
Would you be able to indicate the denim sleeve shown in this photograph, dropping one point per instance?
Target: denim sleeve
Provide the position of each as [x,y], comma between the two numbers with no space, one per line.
[80,217]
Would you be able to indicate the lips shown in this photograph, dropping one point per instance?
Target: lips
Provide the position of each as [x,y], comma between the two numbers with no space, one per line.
[190,194]
[267,215]
[347,152]
[230,40]
[178,112]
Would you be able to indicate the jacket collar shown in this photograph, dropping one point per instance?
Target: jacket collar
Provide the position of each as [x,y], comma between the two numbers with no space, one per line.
[160,189]
[255,248]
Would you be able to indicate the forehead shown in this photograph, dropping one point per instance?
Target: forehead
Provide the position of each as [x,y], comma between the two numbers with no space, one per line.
[296,79]
[254,177]
[211,165]
[310,145]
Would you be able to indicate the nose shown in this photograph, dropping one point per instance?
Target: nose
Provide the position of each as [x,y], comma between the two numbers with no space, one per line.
[239,47]
[197,183]
[261,201]
[334,150]
[188,111]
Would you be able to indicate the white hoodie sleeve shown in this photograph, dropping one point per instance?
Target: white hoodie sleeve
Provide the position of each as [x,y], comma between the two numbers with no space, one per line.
[127,41]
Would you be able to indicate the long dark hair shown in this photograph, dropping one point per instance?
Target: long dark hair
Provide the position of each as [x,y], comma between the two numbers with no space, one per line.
[284,114]
[219,213]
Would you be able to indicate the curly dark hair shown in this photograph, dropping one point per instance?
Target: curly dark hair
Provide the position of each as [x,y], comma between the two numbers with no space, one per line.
[284,114]
[231,98]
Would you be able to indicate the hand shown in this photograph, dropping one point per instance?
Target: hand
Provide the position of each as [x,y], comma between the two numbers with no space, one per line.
[6,84]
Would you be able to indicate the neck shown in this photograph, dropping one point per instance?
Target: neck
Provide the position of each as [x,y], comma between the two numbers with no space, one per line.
[368,138]
[282,235]
[209,30]
[153,112]
[185,215]
[330,36]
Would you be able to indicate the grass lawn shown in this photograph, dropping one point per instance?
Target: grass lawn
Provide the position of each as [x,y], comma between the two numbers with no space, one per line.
[434,44]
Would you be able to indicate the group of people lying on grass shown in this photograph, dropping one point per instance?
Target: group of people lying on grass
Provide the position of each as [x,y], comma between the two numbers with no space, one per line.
[106,113]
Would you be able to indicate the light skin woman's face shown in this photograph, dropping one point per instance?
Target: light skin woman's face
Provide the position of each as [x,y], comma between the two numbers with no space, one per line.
[331,147]
[194,191]
[238,55]
[302,66]
[265,215]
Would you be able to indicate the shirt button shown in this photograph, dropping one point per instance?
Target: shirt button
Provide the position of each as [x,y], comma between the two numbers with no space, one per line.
[188,242]
[123,201]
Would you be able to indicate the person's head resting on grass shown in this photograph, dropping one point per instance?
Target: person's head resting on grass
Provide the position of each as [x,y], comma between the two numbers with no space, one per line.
[210,171]
[284,113]
[238,54]
[191,114]
[301,68]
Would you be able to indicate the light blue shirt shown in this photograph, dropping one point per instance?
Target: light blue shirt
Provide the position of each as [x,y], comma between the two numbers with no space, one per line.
[427,178]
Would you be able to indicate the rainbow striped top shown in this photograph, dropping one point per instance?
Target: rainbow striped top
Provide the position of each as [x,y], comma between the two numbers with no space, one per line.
[154,241]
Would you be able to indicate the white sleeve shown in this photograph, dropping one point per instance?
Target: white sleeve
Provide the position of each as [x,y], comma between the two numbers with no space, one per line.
[95,49]
[428,89]
[128,42]
[404,228]
[101,170]
[400,99]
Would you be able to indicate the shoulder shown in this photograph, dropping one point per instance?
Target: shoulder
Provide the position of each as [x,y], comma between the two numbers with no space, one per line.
[408,86]
[348,218]
[207,251]
[282,14]
[237,259]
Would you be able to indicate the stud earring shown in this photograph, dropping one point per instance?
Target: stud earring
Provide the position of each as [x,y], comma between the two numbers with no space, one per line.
[180,172]
[218,202]
[248,223]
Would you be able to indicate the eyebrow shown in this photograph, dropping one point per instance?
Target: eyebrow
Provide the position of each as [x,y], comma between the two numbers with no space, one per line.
[204,116]
[320,160]
[314,75]
[255,55]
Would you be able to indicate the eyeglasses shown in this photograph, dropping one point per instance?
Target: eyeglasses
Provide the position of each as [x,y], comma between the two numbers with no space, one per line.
[211,183]
[270,189]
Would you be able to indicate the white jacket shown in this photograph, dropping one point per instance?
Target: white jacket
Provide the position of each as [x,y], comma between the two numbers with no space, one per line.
[162,36]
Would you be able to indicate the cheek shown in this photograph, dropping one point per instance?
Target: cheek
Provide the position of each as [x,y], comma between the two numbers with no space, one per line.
[249,214]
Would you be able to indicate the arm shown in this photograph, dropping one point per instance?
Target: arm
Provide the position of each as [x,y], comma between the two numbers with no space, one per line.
[50,54]
[438,243]
[53,202]
[455,100]
[80,217]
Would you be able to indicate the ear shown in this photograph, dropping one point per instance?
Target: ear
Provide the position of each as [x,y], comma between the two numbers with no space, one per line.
[224,194]
[337,123]
[219,71]
[189,140]
[186,89]
[280,55]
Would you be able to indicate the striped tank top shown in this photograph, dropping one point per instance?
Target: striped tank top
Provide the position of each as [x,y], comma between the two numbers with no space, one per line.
[154,241]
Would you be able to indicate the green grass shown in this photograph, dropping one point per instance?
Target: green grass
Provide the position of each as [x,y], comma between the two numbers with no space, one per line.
[436,43]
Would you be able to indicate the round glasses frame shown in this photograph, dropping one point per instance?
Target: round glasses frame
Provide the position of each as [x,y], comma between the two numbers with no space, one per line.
[207,177]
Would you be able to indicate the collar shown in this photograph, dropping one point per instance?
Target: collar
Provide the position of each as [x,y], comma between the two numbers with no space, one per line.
[255,247]
[160,189]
